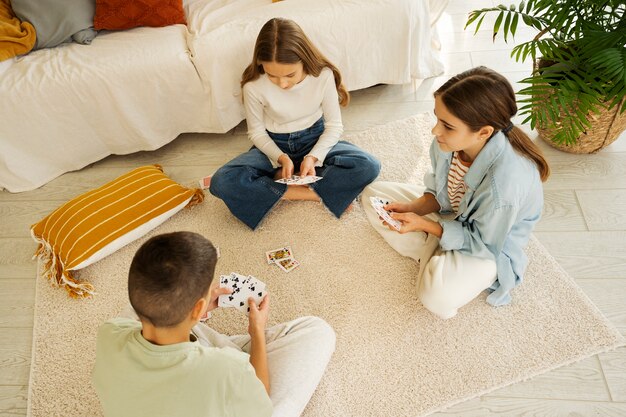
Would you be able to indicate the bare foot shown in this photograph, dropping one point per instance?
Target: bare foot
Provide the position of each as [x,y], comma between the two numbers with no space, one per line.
[300,192]
[205,182]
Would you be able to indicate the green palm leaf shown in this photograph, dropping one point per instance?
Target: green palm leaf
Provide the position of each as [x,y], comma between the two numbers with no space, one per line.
[582,45]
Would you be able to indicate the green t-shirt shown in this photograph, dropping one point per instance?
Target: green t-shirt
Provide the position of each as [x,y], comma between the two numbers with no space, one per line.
[134,377]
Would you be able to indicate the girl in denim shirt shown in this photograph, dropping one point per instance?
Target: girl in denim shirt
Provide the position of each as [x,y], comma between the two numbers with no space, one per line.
[292,95]
[470,223]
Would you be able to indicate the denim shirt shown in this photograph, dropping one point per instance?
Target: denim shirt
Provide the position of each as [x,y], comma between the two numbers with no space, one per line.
[503,201]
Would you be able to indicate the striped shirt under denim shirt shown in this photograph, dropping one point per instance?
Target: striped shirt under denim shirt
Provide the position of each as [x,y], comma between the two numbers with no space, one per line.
[456,184]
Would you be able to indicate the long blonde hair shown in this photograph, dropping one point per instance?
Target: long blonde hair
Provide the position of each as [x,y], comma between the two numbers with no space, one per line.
[482,97]
[283,41]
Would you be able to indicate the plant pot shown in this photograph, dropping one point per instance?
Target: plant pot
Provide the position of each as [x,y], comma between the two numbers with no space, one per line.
[605,128]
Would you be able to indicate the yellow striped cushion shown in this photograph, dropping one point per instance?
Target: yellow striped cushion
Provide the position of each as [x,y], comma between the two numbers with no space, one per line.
[97,223]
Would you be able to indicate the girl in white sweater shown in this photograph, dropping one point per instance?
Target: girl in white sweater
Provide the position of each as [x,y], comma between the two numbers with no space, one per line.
[292,95]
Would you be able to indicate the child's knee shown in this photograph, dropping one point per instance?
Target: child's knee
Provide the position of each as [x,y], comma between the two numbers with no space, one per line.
[434,295]
[217,183]
[321,326]
[438,305]
[372,167]
[224,179]
[366,170]
[323,332]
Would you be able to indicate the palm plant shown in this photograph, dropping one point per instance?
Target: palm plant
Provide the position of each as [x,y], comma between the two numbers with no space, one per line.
[579,59]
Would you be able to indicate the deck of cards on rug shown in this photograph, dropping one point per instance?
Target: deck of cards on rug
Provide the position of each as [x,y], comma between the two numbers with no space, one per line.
[283,257]
[298,180]
[379,204]
[242,287]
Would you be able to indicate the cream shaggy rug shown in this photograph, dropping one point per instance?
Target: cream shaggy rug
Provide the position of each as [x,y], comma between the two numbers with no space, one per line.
[393,358]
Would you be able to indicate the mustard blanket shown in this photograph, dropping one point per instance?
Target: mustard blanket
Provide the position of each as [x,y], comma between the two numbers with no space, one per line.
[16,37]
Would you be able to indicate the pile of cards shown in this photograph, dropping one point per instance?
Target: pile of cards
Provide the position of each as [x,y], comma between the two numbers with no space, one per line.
[243,287]
[297,180]
[378,204]
[283,257]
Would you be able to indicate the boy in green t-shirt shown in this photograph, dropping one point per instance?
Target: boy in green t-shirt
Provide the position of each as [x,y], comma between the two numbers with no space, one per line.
[168,364]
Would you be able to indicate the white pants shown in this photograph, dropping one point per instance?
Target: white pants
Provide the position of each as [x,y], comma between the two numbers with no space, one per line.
[447,279]
[297,354]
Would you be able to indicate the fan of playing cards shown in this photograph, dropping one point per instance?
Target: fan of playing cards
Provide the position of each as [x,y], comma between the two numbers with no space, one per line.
[242,287]
[283,257]
[298,180]
[379,204]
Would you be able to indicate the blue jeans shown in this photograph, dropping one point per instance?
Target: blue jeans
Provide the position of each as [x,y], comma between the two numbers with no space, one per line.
[246,184]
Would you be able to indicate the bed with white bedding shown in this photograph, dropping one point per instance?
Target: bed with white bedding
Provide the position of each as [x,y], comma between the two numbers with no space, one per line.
[66,107]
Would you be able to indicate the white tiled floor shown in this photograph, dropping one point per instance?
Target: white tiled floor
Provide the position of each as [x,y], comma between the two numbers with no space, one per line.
[584,227]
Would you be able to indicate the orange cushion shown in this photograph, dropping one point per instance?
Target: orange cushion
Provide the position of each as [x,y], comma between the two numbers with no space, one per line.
[99,222]
[16,37]
[125,14]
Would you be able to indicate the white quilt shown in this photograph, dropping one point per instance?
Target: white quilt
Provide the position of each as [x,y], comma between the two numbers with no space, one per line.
[64,108]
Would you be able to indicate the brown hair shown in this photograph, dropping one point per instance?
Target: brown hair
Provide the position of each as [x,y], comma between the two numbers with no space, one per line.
[284,42]
[482,97]
[168,275]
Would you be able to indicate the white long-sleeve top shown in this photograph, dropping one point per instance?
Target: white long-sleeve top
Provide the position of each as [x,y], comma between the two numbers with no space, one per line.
[269,107]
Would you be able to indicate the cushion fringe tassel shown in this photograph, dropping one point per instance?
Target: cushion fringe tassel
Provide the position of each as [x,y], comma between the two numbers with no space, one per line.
[197,198]
[52,268]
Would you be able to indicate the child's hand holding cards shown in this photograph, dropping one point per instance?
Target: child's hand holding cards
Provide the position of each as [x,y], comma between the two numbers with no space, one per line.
[242,288]
[379,205]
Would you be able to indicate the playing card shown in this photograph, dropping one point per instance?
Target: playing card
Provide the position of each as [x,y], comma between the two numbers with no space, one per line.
[379,205]
[277,254]
[225,282]
[240,300]
[288,264]
[252,288]
[309,179]
[234,282]
[297,180]
[292,180]
[377,201]
[256,288]
[387,218]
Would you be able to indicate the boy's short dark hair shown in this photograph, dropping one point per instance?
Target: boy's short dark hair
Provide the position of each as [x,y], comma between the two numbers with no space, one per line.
[168,275]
